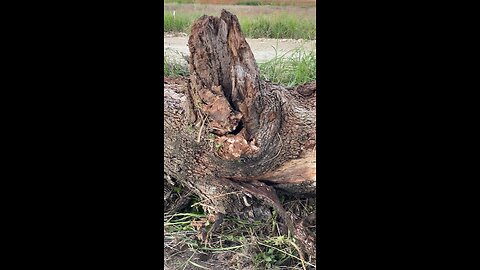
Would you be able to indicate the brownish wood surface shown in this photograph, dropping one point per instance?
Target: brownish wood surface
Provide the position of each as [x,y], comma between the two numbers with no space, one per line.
[228,133]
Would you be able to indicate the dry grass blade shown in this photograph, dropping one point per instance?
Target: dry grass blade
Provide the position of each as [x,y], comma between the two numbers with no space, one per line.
[198,265]
[288,254]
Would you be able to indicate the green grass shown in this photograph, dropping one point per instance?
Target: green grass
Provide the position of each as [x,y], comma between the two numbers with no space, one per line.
[279,26]
[173,68]
[298,68]
[178,23]
[254,243]
[238,243]
[275,26]
[291,70]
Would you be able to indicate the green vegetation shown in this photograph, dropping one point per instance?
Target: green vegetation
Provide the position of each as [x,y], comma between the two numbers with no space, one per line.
[279,26]
[275,26]
[263,244]
[294,69]
[173,68]
[178,23]
[290,70]
[249,3]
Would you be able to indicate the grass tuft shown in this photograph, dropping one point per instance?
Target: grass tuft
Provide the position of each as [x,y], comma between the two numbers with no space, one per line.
[177,22]
[291,70]
[173,67]
[239,243]
[279,26]
[249,3]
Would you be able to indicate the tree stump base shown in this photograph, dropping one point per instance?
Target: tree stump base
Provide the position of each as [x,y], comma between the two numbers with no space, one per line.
[227,131]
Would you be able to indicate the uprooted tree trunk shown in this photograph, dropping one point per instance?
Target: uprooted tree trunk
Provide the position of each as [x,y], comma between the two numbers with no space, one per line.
[228,132]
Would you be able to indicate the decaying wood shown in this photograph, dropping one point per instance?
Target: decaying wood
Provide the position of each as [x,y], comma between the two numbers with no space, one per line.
[228,131]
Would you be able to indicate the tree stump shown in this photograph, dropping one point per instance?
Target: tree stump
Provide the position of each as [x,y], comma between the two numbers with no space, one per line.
[228,132]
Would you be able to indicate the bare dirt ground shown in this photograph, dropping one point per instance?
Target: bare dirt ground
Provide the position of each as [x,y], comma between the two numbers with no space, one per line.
[263,49]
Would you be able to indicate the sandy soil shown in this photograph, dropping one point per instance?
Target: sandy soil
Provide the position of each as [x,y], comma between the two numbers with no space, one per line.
[263,49]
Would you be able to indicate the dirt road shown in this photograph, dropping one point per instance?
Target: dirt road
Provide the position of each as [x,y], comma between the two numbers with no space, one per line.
[263,49]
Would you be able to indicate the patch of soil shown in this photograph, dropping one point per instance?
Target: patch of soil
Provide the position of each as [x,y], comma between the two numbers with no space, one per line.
[175,80]
[216,261]
[174,34]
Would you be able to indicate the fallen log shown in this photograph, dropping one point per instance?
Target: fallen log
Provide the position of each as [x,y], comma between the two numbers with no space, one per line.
[228,132]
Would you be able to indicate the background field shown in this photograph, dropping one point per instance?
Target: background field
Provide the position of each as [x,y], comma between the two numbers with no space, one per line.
[295,22]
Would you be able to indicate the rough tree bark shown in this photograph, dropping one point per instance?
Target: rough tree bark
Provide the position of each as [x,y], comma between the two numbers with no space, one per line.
[229,134]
